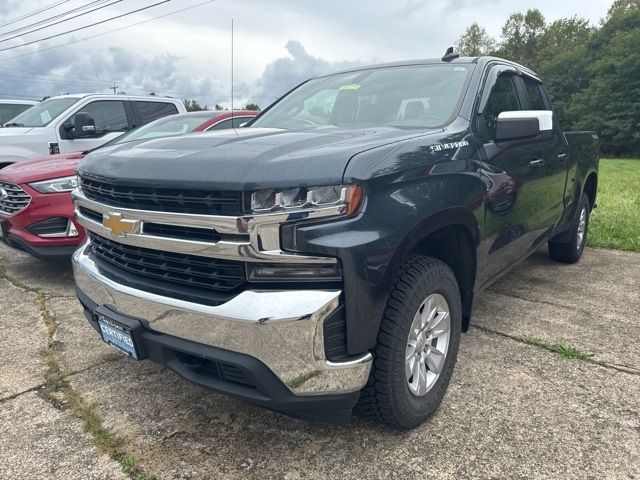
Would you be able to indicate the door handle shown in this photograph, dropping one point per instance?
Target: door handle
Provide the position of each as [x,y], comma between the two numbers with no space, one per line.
[563,156]
[537,163]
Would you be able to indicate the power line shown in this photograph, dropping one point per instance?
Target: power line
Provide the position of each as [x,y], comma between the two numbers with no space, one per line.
[9,95]
[33,14]
[86,26]
[110,31]
[63,76]
[55,17]
[59,22]
[47,81]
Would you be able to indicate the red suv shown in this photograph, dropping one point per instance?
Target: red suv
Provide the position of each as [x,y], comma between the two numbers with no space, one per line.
[36,212]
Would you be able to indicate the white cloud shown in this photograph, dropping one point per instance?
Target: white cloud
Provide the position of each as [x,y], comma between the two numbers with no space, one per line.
[277,44]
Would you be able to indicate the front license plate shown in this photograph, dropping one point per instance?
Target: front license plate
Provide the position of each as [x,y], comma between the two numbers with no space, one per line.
[117,335]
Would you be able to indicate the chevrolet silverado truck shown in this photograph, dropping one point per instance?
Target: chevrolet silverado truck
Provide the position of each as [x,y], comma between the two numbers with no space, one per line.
[327,256]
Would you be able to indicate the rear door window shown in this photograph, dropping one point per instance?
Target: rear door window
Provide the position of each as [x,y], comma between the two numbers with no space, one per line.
[150,111]
[533,93]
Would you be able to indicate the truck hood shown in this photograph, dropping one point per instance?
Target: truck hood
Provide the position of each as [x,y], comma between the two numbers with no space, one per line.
[245,159]
[7,131]
[44,168]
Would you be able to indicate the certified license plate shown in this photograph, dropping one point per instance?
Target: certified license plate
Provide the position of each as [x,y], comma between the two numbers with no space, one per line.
[117,335]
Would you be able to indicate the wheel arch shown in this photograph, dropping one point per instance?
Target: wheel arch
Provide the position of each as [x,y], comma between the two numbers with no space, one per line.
[590,188]
[451,236]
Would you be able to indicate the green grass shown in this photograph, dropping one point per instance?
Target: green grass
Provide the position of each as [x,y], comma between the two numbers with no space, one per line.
[534,341]
[568,351]
[616,221]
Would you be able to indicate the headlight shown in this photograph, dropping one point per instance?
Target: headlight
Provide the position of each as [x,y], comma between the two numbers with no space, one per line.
[347,197]
[56,185]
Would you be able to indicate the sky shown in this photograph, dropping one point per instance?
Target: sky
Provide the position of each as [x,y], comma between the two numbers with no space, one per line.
[277,43]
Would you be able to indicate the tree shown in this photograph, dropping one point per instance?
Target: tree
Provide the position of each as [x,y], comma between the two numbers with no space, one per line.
[609,104]
[563,62]
[218,107]
[194,106]
[520,36]
[619,7]
[475,41]
[252,106]
[592,74]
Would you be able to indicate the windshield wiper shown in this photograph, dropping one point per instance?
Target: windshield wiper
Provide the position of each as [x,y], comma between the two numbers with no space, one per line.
[14,124]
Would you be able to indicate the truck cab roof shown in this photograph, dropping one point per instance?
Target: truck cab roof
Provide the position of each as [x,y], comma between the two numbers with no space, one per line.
[481,61]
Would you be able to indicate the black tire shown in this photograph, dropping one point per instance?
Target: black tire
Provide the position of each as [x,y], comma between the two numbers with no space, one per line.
[387,396]
[570,250]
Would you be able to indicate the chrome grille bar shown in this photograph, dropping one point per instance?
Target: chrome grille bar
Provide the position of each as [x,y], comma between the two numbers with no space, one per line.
[13,199]
[255,238]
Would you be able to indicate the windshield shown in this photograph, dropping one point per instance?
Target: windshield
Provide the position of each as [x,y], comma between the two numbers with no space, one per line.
[418,96]
[43,113]
[164,127]
[10,110]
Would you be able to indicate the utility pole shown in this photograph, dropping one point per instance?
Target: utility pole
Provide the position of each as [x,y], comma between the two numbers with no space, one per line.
[115,88]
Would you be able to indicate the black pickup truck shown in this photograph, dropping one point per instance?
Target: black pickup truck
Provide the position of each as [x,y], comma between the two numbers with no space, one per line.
[327,256]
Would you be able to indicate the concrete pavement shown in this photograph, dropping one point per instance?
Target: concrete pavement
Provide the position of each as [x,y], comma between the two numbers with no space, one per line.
[512,410]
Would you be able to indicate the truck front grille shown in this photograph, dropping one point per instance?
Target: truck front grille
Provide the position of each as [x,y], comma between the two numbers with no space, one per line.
[188,277]
[203,202]
[13,199]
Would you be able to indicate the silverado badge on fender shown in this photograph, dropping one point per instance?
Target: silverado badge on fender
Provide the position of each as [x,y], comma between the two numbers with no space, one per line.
[120,227]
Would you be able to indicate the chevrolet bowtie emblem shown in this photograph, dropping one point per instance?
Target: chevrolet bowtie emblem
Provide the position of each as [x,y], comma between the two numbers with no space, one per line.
[119,227]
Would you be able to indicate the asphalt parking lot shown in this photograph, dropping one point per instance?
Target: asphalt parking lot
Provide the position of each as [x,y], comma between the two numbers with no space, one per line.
[517,407]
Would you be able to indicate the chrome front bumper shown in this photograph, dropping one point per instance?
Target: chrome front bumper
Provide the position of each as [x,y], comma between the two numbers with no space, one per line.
[283,329]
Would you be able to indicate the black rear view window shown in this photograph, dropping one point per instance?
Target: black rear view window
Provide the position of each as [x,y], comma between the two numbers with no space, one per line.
[533,92]
[150,111]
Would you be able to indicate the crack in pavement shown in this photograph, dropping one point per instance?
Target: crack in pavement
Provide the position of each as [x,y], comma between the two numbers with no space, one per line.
[18,394]
[56,382]
[543,346]
[65,375]
[545,302]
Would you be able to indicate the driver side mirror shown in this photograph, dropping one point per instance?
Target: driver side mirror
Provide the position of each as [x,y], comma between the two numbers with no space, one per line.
[83,125]
[523,125]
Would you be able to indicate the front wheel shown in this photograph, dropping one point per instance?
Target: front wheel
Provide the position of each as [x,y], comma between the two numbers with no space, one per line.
[417,345]
[570,251]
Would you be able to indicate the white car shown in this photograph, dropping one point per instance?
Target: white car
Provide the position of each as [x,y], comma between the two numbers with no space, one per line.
[79,122]
[11,108]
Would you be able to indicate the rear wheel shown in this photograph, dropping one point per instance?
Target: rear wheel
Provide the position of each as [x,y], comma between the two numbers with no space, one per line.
[570,251]
[417,345]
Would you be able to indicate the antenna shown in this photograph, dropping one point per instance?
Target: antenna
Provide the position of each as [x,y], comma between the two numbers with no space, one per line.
[450,55]
[232,70]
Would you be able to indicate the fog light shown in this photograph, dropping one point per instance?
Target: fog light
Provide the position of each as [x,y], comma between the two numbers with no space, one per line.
[73,231]
[288,272]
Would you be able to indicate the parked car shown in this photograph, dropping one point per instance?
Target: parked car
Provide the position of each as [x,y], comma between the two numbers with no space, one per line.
[226,119]
[328,255]
[71,123]
[36,214]
[11,108]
